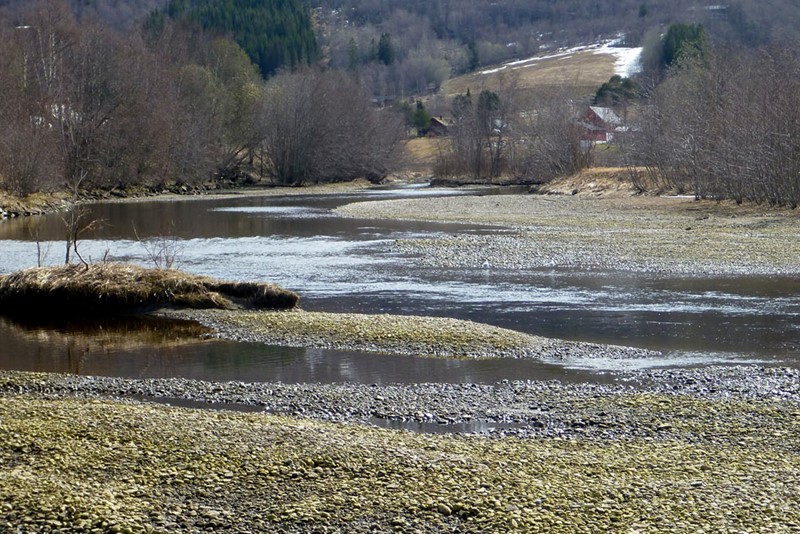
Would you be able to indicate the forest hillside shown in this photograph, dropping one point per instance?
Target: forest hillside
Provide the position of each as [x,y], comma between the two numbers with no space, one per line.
[116,94]
[412,47]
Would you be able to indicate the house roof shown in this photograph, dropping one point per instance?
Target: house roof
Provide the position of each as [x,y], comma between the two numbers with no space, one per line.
[607,115]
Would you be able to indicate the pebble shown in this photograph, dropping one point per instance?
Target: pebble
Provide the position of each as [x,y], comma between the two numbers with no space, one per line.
[443,509]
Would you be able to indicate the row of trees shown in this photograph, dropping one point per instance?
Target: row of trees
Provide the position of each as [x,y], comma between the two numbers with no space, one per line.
[726,126]
[84,106]
[531,136]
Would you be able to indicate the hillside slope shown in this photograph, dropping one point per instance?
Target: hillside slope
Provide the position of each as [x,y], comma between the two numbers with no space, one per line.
[577,71]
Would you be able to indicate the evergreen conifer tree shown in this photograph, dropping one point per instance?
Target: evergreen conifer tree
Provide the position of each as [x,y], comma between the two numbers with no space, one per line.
[385,49]
[421,119]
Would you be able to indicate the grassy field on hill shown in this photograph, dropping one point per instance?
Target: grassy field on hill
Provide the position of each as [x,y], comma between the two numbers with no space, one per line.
[578,73]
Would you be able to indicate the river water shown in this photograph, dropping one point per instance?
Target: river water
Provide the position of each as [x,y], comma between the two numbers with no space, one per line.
[349,265]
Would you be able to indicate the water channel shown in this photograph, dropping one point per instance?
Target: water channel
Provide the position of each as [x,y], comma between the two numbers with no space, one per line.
[349,265]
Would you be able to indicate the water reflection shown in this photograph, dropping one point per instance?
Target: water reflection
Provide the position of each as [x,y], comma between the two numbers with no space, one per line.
[111,332]
[209,217]
[154,348]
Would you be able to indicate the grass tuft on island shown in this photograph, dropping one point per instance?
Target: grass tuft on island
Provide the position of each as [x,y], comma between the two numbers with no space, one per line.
[105,288]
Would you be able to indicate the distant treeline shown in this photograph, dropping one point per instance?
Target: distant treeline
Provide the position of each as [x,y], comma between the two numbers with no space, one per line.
[404,48]
[117,14]
[274,33]
[434,39]
[86,107]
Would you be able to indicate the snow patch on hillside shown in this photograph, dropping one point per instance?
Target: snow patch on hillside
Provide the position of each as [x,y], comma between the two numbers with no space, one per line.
[627,61]
[523,63]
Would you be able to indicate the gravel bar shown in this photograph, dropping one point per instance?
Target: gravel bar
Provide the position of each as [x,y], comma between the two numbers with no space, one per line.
[679,451]
[669,235]
[395,334]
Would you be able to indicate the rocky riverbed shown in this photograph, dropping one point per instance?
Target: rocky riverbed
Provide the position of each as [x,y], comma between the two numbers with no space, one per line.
[631,406]
[674,235]
[694,450]
[677,451]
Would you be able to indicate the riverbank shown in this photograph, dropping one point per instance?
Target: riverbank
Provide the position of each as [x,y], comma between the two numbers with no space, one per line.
[35,204]
[600,229]
[42,203]
[611,458]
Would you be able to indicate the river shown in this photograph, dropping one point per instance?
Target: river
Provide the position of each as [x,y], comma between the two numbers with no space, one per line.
[349,265]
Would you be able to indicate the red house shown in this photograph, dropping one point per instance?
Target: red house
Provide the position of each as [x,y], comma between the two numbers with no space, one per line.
[599,125]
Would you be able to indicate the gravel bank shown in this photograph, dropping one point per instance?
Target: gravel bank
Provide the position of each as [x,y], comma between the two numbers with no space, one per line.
[658,457]
[672,235]
[529,408]
[395,334]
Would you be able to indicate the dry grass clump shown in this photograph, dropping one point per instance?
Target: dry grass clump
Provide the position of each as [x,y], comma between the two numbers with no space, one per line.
[124,288]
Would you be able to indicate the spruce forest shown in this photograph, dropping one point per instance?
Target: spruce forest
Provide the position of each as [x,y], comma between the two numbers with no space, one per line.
[274,34]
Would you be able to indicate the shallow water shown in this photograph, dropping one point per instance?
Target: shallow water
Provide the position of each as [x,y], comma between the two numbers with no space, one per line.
[161,349]
[349,265]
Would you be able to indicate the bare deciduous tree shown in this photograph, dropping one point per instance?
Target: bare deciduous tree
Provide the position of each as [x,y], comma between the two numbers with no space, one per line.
[322,127]
[727,129]
[548,139]
[479,137]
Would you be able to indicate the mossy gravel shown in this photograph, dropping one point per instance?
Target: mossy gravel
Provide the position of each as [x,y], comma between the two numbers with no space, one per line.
[439,337]
[77,465]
